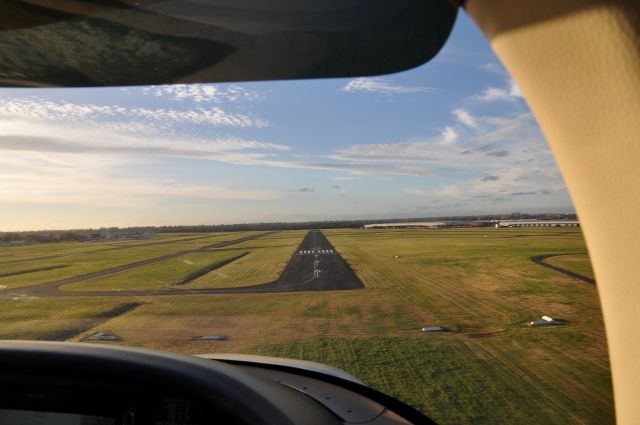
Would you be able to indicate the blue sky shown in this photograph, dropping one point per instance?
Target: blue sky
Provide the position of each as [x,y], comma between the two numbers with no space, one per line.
[451,137]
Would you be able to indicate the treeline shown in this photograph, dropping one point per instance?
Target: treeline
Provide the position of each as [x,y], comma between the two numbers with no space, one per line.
[261,226]
[57,236]
[353,224]
[77,235]
[115,233]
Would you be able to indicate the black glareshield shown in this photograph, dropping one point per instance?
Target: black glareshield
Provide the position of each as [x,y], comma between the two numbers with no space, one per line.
[84,43]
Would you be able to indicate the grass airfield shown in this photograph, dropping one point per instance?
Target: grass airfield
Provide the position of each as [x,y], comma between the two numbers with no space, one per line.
[478,282]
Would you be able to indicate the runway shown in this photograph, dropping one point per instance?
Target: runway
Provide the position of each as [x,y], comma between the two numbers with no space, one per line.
[315,266]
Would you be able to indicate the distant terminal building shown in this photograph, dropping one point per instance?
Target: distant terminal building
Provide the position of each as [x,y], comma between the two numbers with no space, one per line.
[476,223]
[537,223]
[415,225]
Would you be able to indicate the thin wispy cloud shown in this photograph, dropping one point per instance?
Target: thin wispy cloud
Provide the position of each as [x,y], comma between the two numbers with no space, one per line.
[46,110]
[382,86]
[511,93]
[449,191]
[494,68]
[489,178]
[89,138]
[88,154]
[449,135]
[80,179]
[346,178]
[498,154]
[462,146]
[197,149]
[514,90]
[475,148]
[464,117]
[524,193]
[507,185]
[416,191]
[465,195]
[357,168]
[204,93]
[507,155]
[494,94]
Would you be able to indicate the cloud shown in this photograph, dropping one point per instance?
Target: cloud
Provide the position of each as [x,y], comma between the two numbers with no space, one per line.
[346,178]
[489,178]
[69,153]
[46,110]
[449,135]
[351,167]
[498,154]
[449,191]
[415,191]
[190,149]
[524,193]
[214,116]
[537,192]
[90,140]
[493,68]
[463,116]
[477,148]
[81,179]
[34,125]
[382,86]
[74,153]
[31,125]
[203,93]
[507,154]
[496,94]
[514,90]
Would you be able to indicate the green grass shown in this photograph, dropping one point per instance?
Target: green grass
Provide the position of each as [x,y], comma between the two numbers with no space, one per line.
[452,380]
[12,253]
[163,275]
[37,318]
[479,282]
[265,262]
[87,261]
[577,263]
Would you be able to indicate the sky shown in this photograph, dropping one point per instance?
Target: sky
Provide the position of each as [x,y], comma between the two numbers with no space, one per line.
[451,137]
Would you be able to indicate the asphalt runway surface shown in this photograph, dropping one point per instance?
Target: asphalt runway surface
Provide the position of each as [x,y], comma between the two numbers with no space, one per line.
[315,266]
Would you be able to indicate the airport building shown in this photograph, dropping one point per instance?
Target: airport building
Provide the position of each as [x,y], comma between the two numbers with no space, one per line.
[477,223]
[538,223]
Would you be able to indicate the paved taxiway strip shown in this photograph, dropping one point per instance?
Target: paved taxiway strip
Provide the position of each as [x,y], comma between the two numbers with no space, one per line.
[299,275]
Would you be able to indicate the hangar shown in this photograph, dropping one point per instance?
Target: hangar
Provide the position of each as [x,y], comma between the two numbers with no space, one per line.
[538,223]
